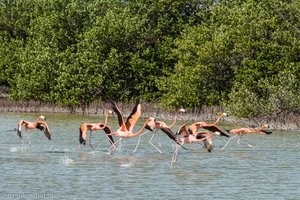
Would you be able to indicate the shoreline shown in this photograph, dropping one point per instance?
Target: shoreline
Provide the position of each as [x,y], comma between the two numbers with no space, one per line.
[149,109]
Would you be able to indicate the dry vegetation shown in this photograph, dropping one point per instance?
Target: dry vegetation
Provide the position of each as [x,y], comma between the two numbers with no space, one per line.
[291,122]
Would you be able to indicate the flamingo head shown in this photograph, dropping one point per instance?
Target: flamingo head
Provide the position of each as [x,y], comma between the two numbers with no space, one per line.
[151,119]
[181,110]
[151,124]
[42,117]
[109,112]
[265,126]
[223,114]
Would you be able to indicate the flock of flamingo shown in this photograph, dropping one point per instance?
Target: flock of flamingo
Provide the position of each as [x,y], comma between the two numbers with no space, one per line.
[184,135]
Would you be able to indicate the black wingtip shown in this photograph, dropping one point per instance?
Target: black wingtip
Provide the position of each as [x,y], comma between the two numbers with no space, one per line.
[112,102]
[224,134]
[183,147]
[149,128]
[266,132]
[81,140]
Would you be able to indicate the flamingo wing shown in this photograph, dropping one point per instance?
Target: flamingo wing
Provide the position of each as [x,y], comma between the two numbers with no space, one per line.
[266,132]
[82,133]
[215,129]
[134,115]
[206,139]
[182,130]
[108,131]
[169,132]
[151,125]
[201,135]
[47,133]
[19,130]
[118,112]
[43,126]
[171,135]
[149,128]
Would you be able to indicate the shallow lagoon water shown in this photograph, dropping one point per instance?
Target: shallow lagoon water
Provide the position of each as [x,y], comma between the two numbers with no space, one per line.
[268,170]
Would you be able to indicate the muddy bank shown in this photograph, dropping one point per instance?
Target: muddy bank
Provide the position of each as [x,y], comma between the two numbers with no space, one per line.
[290,122]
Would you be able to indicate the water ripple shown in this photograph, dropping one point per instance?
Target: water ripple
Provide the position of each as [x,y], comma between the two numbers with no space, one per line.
[267,170]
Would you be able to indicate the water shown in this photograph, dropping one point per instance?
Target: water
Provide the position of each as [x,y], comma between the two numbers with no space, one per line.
[268,170]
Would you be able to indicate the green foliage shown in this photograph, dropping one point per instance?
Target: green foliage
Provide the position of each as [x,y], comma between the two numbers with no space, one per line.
[241,54]
[273,96]
[268,47]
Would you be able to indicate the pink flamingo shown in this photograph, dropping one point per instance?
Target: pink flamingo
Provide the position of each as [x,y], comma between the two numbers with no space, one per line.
[92,127]
[38,124]
[193,128]
[126,128]
[238,132]
[156,125]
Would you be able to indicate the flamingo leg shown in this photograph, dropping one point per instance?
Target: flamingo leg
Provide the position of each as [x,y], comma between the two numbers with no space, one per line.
[144,133]
[228,141]
[153,144]
[174,157]
[238,142]
[112,143]
[90,140]
[22,141]
[78,147]
[202,145]
[51,147]
[135,149]
[137,144]
[240,137]
[27,137]
[113,146]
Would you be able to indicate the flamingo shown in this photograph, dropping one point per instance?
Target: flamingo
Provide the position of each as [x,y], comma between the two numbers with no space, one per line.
[38,124]
[238,132]
[193,128]
[189,138]
[125,129]
[92,127]
[156,125]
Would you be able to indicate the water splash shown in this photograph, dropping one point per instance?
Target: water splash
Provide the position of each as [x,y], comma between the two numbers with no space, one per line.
[15,149]
[18,149]
[125,165]
[65,160]
[130,163]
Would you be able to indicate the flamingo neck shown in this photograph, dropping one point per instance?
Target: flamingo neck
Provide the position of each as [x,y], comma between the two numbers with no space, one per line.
[261,128]
[140,131]
[218,119]
[174,121]
[106,120]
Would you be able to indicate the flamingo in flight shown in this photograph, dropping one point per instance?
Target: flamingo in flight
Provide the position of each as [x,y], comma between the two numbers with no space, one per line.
[92,127]
[189,138]
[156,125]
[238,132]
[126,128]
[193,128]
[40,124]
